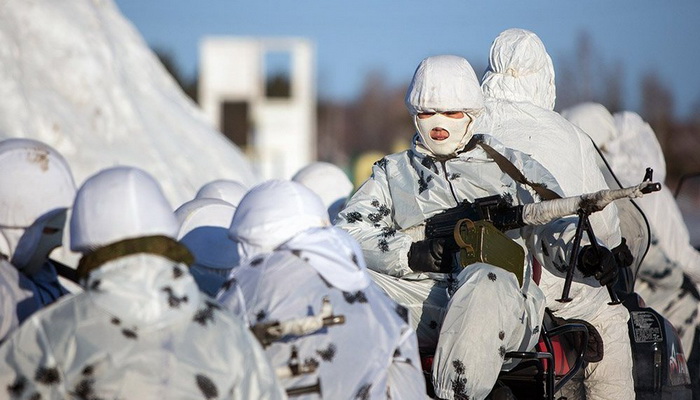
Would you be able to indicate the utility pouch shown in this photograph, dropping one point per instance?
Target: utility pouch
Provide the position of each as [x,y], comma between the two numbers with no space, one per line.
[480,241]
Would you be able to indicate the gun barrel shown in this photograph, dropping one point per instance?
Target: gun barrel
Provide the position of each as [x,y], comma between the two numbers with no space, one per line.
[549,210]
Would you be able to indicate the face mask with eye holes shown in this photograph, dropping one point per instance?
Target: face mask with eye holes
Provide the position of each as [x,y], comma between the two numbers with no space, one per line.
[457,128]
[38,241]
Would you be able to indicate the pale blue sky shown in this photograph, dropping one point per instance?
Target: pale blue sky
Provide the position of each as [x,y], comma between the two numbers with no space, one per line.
[355,37]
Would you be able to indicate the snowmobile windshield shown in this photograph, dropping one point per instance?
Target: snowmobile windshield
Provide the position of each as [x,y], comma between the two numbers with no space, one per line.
[633,224]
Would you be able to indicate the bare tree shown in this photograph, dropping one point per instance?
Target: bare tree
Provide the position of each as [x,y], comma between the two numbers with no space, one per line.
[613,88]
[586,76]
[378,118]
[189,86]
[573,75]
[332,132]
[657,107]
[695,113]
[679,140]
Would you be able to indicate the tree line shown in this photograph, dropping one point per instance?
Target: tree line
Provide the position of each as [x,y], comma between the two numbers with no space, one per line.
[376,119]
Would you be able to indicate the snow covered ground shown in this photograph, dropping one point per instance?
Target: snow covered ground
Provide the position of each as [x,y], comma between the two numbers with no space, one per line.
[77,75]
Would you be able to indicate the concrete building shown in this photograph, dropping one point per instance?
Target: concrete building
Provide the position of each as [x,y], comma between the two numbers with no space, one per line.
[260,92]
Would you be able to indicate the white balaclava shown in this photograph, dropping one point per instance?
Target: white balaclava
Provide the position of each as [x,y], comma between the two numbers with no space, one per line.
[227,190]
[204,227]
[116,204]
[36,188]
[595,120]
[444,83]
[520,70]
[329,182]
[272,213]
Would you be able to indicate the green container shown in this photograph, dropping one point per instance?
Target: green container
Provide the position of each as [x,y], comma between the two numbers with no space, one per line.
[480,241]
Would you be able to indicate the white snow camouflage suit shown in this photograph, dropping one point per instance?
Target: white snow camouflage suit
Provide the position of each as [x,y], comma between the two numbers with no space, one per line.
[482,314]
[141,329]
[373,354]
[520,94]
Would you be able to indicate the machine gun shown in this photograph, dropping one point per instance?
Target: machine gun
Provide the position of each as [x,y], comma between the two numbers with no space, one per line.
[494,209]
[481,239]
[477,230]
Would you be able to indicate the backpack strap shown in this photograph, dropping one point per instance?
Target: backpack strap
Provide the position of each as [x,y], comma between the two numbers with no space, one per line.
[509,168]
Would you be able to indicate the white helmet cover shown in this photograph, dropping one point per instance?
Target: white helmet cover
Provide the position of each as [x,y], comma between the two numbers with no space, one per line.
[272,213]
[116,204]
[441,84]
[204,227]
[329,182]
[36,188]
[636,149]
[227,190]
[595,120]
[520,70]
[35,179]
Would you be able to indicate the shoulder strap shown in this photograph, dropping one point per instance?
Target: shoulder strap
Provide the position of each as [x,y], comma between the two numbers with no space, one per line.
[65,271]
[506,166]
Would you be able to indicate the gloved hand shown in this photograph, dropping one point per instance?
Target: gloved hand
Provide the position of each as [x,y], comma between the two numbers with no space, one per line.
[622,254]
[600,264]
[430,255]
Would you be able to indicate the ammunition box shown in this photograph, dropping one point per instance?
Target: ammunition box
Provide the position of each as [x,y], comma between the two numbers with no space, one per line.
[480,241]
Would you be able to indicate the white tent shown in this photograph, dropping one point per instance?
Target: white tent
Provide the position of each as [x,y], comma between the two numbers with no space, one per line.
[76,75]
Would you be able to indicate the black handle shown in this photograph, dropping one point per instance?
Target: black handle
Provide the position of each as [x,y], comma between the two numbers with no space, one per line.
[583,225]
[591,236]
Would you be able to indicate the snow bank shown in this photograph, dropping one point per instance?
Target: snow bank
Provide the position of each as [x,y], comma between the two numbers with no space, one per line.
[77,75]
